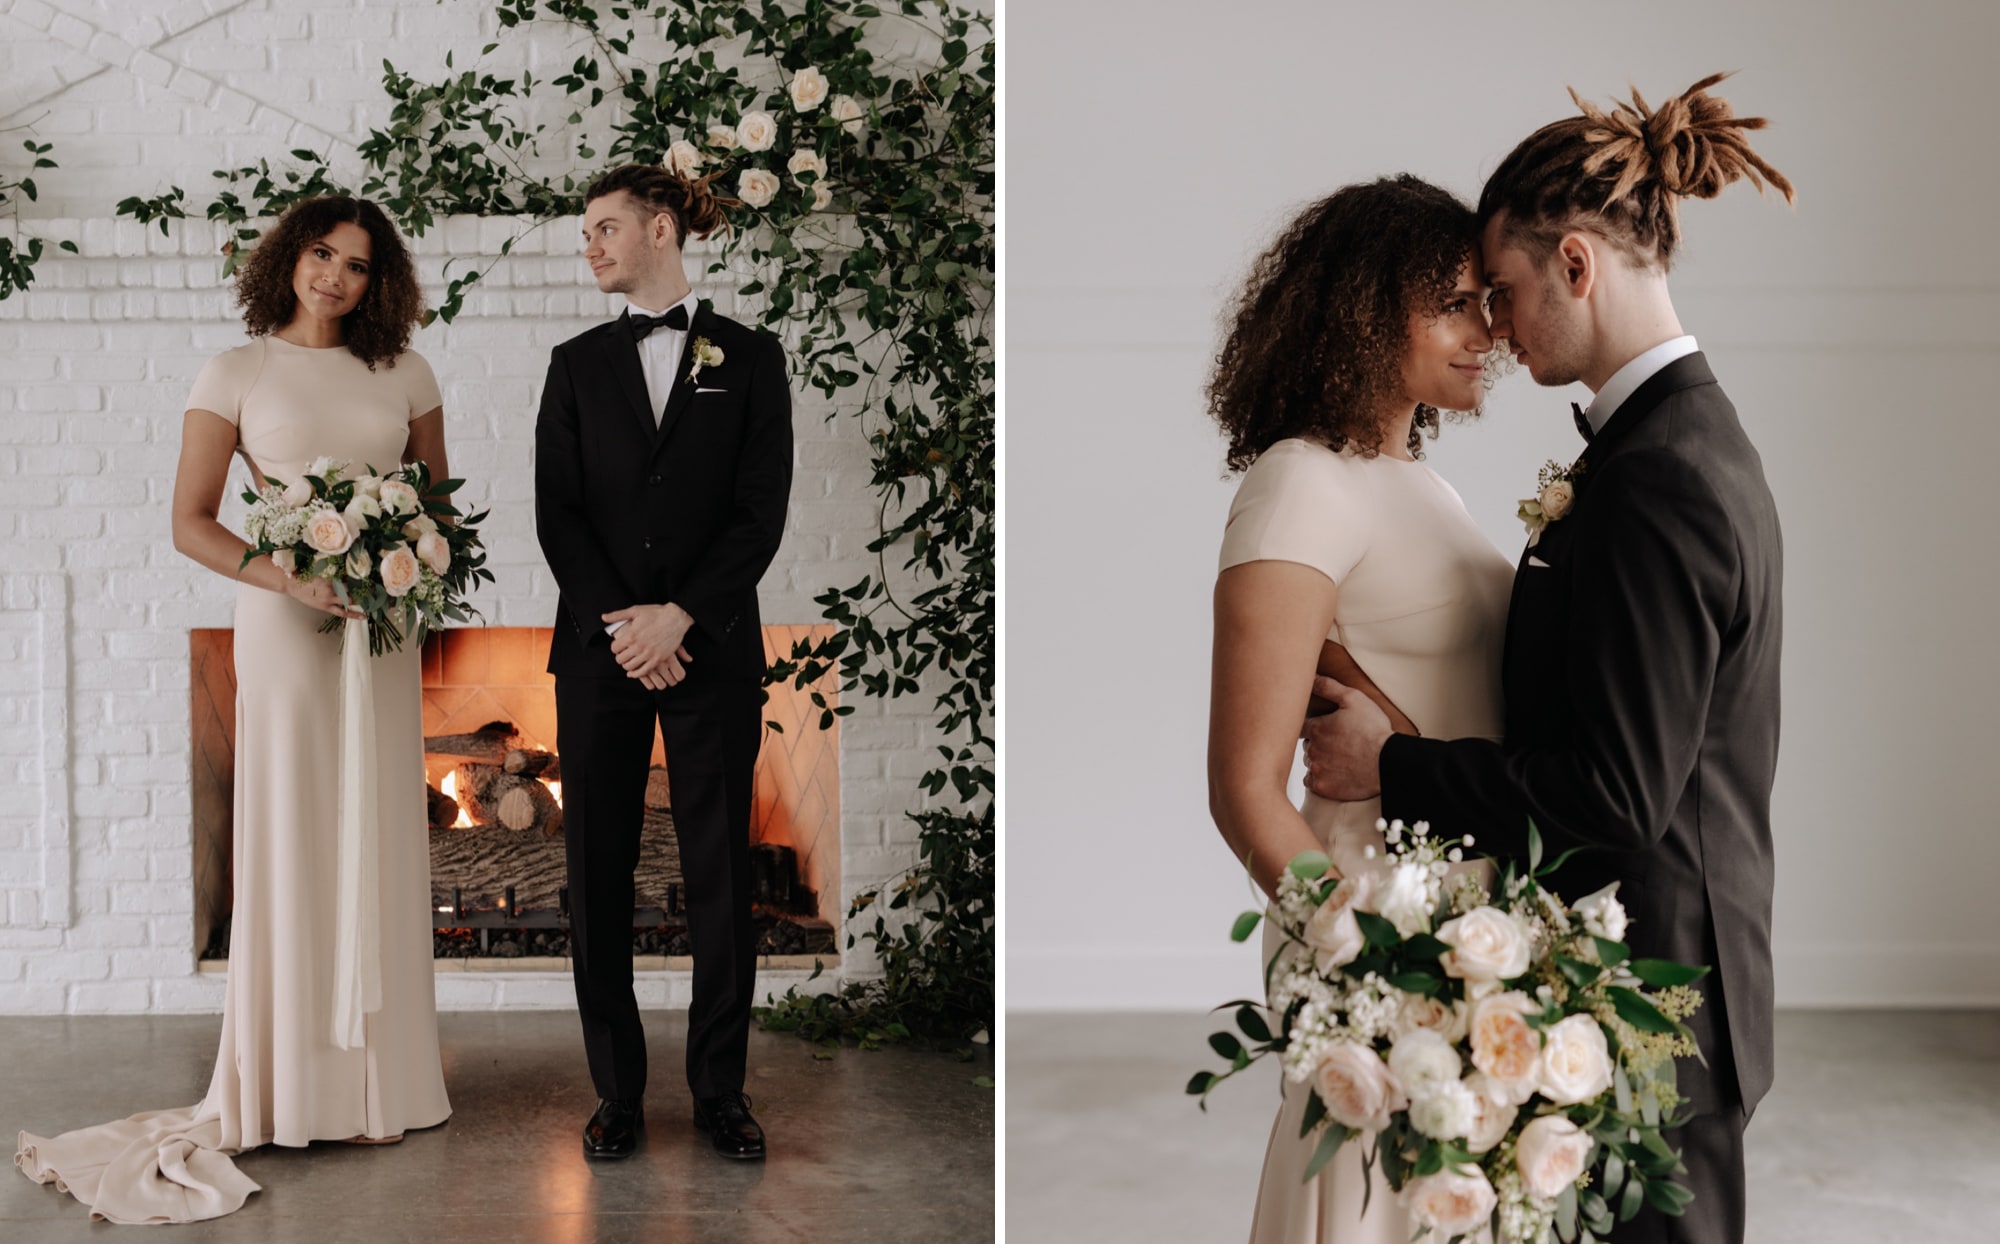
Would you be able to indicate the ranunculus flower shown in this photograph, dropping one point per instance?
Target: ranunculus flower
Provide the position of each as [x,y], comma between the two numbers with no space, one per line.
[435,551]
[399,498]
[329,533]
[419,527]
[1333,933]
[362,508]
[723,136]
[369,486]
[1445,1111]
[822,197]
[1441,1017]
[1486,944]
[1449,1202]
[1551,1155]
[684,158]
[399,570]
[297,493]
[1557,498]
[359,563]
[1357,1087]
[806,162]
[809,89]
[1602,914]
[285,560]
[1504,1046]
[1422,1059]
[757,186]
[756,131]
[1405,901]
[1496,1115]
[845,110]
[1576,1061]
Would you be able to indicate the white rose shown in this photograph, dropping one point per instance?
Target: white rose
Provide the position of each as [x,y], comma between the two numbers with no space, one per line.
[1576,1061]
[757,186]
[1505,1047]
[369,486]
[435,551]
[684,158]
[399,498]
[822,198]
[1450,1203]
[756,131]
[1441,1017]
[419,527]
[297,494]
[1445,1111]
[849,113]
[723,136]
[362,508]
[1496,1114]
[1406,900]
[1333,933]
[329,533]
[1557,498]
[399,570]
[1551,1155]
[325,467]
[1357,1087]
[1602,914]
[359,563]
[1423,1060]
[287,561]
[1486,944]
[806,162]
[809,89]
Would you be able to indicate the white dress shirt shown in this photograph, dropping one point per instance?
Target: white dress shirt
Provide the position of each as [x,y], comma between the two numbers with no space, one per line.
[660,355]
[1627,379]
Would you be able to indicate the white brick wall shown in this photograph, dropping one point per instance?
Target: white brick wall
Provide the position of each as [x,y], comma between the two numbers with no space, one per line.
[96,904]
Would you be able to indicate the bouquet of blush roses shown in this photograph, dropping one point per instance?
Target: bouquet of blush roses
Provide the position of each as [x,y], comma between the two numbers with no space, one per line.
[393,546]
[1513,1059]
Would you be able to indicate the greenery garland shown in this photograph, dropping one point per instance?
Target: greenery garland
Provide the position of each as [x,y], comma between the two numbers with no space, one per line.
[867,191]
[17,263]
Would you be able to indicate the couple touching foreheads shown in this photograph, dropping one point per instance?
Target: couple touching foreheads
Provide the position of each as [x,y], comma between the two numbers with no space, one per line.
[1619,685]
[663,466]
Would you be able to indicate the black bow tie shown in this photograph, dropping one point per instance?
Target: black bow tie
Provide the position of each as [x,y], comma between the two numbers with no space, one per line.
[1582,422]
[642,325]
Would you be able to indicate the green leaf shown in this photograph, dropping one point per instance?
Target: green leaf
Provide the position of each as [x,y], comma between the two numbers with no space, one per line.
[1577,972]
[1315,1111]
[1330,1142]
[1635,1194]
[1665,974]
[1252,1024]
[1634,1009]
[1377,930]
[1310,865]
[1668,1197]
[1245,925]
[1415,982]
[1201,1083]
[1534,847]
[1225,1044]
[1610,953]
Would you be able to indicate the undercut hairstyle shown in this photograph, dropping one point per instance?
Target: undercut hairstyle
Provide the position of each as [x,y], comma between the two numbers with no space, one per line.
[1316,346]
[696,209]
[391,308]
[1621,174]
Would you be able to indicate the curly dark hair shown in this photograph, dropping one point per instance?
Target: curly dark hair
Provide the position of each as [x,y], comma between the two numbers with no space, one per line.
[696,208]
[379,327]
[1321,327]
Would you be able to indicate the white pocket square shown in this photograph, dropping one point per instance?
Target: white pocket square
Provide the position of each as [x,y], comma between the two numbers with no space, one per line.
[1536,561]
[699,392]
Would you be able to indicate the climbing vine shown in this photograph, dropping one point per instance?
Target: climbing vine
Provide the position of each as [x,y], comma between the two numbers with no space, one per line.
[18,260]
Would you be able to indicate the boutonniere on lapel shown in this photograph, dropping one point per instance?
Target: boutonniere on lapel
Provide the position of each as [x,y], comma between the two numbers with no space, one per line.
[706,354]
[1552,501]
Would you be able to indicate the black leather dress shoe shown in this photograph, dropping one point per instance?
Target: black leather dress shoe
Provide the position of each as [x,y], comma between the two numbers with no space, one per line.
[613,1131]
[726,1120]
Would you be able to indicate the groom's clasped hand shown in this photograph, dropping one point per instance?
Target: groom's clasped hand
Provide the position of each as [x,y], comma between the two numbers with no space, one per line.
[649,643]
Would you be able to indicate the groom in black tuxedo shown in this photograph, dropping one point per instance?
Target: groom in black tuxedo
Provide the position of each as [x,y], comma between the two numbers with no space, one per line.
[663,467]
[1641,658]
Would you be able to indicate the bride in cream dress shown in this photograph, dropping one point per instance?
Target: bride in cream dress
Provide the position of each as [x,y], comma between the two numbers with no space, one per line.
[330,298]
[1347,554]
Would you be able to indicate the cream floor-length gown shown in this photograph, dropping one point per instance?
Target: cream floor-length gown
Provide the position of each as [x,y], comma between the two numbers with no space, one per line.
[1422,608]
[279,1078]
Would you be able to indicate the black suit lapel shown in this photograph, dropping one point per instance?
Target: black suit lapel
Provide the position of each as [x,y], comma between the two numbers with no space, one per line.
[622,355]
[1685,372]
[682,394]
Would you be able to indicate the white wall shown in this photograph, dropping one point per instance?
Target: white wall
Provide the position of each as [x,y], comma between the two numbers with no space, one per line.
[96,901]
[1153,149]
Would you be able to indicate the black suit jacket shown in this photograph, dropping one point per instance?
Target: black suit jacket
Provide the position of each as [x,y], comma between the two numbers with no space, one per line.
[690,513]
[1641,678]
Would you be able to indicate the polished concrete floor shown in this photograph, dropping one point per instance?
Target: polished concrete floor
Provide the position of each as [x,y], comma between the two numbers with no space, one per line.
[1883,1127]
[884,1146]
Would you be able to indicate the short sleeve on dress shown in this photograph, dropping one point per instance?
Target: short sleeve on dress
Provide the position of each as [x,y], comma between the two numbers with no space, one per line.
[420,384]
[224,380]
[1298,503]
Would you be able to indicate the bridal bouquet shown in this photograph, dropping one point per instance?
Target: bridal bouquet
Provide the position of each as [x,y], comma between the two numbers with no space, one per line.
[1515,1062]
[393,546]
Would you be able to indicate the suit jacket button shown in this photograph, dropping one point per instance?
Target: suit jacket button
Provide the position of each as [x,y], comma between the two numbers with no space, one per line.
[655,481]
[648,542]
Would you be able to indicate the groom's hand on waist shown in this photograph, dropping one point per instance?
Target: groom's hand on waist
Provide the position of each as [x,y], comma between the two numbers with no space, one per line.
[1344,747]
[647,642]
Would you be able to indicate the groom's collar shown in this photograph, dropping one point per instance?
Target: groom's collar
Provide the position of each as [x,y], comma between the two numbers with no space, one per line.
[1687,372]
[1626,380]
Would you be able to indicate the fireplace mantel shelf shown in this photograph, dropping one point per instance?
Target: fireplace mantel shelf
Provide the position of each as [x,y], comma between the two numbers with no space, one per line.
[548,963]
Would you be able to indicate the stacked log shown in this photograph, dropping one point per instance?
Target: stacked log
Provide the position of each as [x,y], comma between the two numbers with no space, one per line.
[493,796]
[443,808]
